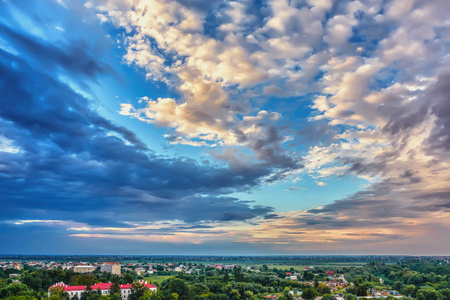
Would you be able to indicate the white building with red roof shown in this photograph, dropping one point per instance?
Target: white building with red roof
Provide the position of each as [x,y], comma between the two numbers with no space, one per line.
[76,290]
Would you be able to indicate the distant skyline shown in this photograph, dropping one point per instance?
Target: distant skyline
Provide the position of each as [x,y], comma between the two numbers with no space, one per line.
[176,127]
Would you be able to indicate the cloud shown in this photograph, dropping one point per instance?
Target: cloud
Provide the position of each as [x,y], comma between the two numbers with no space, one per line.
[295,188]
[365,83]
[70,163]
[212,72]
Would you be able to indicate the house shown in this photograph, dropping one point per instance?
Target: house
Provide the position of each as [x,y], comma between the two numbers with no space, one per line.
[394,293]
[229,267]
[16,265]
[77,290]
[140,271]
[330,273]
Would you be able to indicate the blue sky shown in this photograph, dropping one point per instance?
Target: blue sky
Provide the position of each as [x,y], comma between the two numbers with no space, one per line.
[224,127]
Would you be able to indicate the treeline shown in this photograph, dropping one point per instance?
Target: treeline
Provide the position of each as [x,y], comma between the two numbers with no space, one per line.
[418,279]
[421,279]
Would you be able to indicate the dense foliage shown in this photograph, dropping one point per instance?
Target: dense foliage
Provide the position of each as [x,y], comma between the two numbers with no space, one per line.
[421,279]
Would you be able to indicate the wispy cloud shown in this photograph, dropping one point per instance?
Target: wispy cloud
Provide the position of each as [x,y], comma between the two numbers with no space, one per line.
[295,188]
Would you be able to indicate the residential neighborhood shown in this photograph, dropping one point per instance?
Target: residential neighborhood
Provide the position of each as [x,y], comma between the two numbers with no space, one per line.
[225,278]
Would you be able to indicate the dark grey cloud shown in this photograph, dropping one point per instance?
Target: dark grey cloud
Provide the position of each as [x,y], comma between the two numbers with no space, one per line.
[330,222]
[439,139]
[76,58]
[269,150]
[314,132]
[73,164]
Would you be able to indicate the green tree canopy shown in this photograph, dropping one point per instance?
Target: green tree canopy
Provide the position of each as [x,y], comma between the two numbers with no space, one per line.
[309,293]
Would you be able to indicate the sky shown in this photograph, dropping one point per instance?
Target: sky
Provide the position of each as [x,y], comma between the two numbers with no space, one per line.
[213,127]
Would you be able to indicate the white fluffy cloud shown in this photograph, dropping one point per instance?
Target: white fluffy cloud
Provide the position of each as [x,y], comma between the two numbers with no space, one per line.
[374,68]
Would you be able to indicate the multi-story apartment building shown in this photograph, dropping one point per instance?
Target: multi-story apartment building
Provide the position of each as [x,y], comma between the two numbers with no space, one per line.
[111,267]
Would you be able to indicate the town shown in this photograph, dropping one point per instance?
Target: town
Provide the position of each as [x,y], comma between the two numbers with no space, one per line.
[140,279]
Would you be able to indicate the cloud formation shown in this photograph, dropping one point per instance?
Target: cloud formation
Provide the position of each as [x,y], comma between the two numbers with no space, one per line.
[267,91]
[69,162]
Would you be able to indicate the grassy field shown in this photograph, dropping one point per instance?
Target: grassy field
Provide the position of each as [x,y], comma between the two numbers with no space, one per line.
[323,265]
[156,279]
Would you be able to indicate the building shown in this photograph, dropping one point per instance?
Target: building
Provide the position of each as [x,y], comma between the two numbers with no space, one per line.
[330,273]
[140,271]
[84,269]
[77,290]
[111,267]
[16,265]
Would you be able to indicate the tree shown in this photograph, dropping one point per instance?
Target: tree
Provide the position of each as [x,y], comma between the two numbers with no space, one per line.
[151,295]
[324,289]
[128,277]
[286,295]
[114,288]
[137,291]
[238,274]
[397,285]
[14,289]
[200,289]
[427,293]
[309,293]
[409,290]
[115,296]
[58,293]
[87,293]
[234,295]
[328,297]
[86,279]
[308,275]
[350,297]
[178,286]
[445,294]
[226,276]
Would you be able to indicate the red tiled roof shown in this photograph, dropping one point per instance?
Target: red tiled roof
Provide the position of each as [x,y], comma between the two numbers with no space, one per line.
[101,286]
[74,288]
